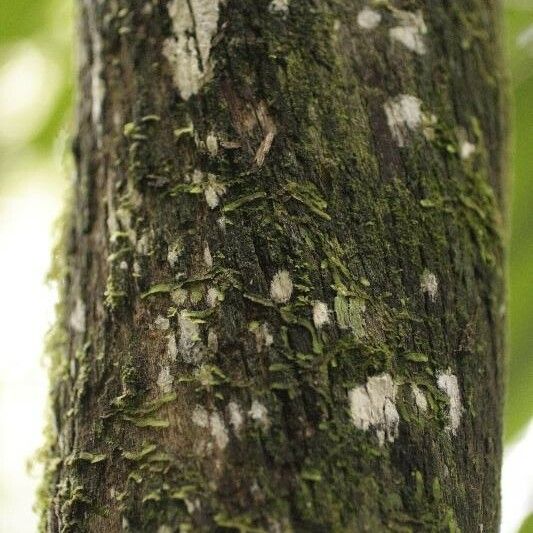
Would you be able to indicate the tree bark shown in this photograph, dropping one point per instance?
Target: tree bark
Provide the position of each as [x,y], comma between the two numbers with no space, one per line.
[283,278]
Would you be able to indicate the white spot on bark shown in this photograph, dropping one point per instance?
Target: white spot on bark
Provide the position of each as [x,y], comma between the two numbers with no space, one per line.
[97,69]
[403,114]
[420,398]
[213,296]
[162,323]
[213,192]
[263,337]
[410,31]
[279,6]
[259,413]
[373,405]
[174,252]
[447,382]
[77,318]
[172,348]
[320,314]
[429,284]
[281,287]
[123,265]
[147,9]
[218,430]
[143,245]
[368,19]
[172,257]
[179,296]
[194,23]
[212,144]
[192,505]
[197,176]
[189,338]
[165,380]
[200,416]
[466,150]
[212,340]
[222,224]
[236,417]
[208,258]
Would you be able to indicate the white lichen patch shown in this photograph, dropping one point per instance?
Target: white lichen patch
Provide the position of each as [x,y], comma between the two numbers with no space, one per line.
[208,258]
[218,430]
[212,341]
[162,323]
[172,347]
[165,380]
[213,297]
[194,23]
[429,284]
[448,383]
[214,422]
[211,144]
[368,19]
[197,176]
[175,250]
[213,192]
[98,87]
[200,416]
[236,417]
[263,337]
[410,31]
[77,318]
[420,398]
[466,150]
[404,114]
[281,287]
[189,345]
[259,413]
[373,406]
[222,223]
[279,6]
[320,314]
[179,296]
[143,245]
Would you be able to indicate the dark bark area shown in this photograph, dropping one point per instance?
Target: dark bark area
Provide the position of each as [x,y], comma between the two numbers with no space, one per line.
[283,273]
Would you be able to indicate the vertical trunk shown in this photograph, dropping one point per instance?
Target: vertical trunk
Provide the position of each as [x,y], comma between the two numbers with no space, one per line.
[283,300]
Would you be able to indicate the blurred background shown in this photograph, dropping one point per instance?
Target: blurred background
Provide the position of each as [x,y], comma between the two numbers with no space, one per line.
[36,96]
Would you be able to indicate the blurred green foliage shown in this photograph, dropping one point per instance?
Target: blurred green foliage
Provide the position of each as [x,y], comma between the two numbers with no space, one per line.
[527,526]
[519,34]
[47,25]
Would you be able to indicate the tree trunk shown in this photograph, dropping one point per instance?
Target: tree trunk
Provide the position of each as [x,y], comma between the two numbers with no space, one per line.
[283,285]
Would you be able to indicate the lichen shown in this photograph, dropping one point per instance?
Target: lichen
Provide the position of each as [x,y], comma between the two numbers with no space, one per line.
[373,406]
[281,287]
[194,25]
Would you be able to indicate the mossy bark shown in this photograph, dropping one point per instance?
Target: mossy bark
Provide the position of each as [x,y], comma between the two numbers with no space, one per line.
[239,259]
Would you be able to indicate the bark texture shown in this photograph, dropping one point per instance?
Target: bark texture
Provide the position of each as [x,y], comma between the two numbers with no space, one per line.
[283,274]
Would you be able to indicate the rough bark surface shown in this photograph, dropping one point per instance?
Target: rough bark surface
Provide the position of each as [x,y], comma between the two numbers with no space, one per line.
[283,275]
